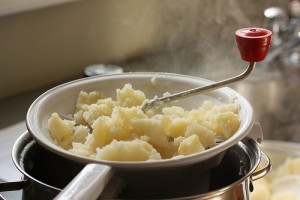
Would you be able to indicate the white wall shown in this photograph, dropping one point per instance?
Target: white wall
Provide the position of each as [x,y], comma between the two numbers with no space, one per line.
[53,44]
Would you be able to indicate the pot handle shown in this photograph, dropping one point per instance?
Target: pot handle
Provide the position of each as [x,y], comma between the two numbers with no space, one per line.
[88,184]
[264,170]
[11,186]
[2,198]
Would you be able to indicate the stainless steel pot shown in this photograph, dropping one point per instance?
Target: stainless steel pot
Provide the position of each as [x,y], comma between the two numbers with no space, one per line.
[45,174]
[240,189]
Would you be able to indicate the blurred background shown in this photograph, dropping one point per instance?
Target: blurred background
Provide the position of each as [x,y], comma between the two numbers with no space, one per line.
[43,44]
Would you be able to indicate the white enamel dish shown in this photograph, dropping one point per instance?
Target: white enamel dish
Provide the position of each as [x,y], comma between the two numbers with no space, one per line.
[62,99]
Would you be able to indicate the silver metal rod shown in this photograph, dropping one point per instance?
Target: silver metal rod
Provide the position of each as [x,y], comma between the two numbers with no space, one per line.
[191,92]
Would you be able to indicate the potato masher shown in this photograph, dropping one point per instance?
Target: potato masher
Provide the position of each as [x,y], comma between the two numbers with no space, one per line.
[253,44]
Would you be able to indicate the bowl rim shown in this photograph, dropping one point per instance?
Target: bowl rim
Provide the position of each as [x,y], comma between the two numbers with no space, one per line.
[243,130]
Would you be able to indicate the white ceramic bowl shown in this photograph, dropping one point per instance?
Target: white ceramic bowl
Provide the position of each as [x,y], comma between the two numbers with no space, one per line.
[62,99]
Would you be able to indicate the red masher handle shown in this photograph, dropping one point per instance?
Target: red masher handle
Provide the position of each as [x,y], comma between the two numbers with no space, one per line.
[253,43]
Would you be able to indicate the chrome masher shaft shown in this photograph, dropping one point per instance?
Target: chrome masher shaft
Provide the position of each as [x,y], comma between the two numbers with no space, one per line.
[158,101]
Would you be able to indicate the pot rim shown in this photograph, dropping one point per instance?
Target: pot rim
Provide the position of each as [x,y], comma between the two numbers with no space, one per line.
[21,141]
[248,145]
[254,147]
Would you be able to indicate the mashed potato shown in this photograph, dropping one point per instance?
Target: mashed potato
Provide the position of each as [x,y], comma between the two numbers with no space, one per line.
[118,130]
[282,183]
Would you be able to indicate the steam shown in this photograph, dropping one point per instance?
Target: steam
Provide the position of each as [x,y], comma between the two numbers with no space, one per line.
[199,37]
[196,37]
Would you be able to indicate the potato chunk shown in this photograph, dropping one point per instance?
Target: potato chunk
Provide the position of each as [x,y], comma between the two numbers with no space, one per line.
[61,130]
[135,150]
[190,145]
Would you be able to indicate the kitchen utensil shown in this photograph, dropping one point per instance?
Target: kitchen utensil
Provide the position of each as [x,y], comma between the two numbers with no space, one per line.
[253,44]
[62,99]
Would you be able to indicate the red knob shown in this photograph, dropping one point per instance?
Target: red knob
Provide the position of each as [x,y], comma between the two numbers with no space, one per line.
[253,43]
